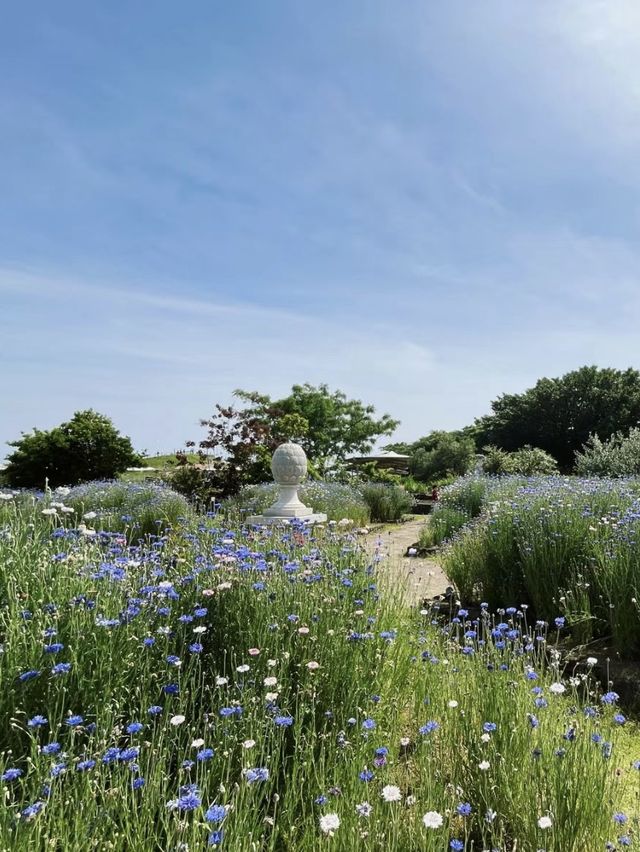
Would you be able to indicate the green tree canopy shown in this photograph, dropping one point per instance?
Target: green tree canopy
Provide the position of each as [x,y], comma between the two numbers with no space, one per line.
[326,423]
[559,415]
[87,447]
[439,454]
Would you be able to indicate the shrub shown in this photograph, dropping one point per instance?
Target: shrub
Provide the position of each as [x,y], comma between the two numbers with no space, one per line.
[527,461]
[386,503]
[619,456]
[88,447]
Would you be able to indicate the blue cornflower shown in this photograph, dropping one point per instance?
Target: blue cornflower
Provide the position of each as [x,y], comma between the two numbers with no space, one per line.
[25,676]
[368,724]
[283,721]
[128,754]
[51,748]
[559,622]
[38,722]
[624,840]
[53,648]
[57,769]
[215,838]
[257,774]
[148,641]
[205,754]
[134,727]
[187,801]
[111,754]
[200,612]
[196,648]
[620,818]
[609,698]
[154,710]
[464,808]
[383,751]
[489,727]
[456,845]
[32,810]
[188,764]
[533,720]
[11,774]
[366,775]
[137,783]
[619,719]
[171,689]
[321,800]
[74,721]
[61,668]
[215,813]
[429,727]
[85,765]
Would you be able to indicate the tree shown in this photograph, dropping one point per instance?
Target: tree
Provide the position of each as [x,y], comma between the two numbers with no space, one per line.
[327,424]
[559,415]
[439,455]
[85,448]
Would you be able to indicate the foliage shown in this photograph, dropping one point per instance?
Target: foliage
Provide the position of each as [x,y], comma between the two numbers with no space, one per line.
[326,423]
[387,503]
[527,461]
[336,500]
[557,544]
[559,415]
[439,455]
[85,448]
[619,456]
[265,687]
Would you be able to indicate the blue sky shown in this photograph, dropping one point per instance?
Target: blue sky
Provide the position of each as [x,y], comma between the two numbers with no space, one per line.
[425,204]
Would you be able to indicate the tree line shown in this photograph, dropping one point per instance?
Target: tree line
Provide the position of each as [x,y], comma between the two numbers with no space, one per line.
[584,421]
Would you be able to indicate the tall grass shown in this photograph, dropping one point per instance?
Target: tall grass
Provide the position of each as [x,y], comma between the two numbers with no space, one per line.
[558,544]
[268,675]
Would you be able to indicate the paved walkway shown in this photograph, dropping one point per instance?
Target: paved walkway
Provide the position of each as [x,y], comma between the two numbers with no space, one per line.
[420,577]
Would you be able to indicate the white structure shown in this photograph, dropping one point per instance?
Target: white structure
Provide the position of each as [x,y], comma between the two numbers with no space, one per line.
[289,469]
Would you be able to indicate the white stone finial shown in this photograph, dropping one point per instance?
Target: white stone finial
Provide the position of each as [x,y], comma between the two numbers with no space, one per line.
[289,469]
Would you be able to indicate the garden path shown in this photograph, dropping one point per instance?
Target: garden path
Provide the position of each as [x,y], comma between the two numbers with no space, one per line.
[421,577]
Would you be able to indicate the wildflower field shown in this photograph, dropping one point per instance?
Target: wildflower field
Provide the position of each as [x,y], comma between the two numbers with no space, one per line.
[252,689]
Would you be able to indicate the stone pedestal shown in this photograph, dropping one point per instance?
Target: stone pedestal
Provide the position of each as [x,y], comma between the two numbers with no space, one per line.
[289,469]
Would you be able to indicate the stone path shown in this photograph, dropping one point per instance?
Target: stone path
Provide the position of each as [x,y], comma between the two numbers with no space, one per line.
[420,577]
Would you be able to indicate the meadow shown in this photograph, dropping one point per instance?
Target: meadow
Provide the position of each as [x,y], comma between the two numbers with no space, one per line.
[217,686]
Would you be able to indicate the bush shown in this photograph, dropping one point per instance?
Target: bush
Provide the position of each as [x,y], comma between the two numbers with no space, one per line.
[619,456]
[88,447]
[386,503]
[528,461]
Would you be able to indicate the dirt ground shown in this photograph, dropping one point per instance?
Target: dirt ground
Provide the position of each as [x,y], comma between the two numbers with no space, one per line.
[421,578]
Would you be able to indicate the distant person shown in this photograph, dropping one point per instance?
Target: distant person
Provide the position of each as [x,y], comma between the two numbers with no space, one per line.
[434,493]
